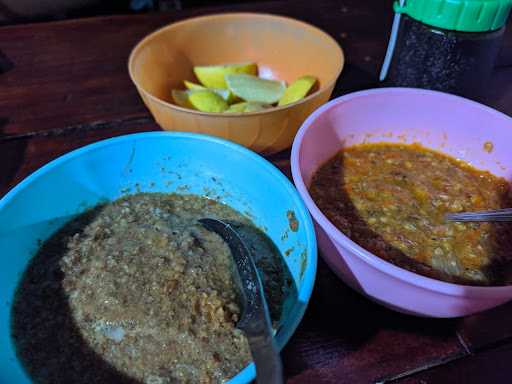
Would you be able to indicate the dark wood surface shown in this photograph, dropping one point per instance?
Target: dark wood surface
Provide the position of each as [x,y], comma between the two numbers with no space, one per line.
[65,84]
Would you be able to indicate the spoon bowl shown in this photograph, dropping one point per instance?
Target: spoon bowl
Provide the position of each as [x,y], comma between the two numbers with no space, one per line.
[255,320]
[493,215]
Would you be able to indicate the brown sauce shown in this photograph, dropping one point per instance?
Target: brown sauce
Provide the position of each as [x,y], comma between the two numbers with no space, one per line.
[136,291]
[391,199]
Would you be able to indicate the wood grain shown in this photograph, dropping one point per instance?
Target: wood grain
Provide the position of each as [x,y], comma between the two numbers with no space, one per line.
[345,338]
[25,154]
[74,72]
[64,85]
[492,366]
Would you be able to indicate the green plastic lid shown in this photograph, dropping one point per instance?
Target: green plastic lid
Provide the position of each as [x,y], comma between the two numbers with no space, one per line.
[458,15]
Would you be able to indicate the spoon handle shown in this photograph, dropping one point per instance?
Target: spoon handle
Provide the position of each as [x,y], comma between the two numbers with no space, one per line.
[255,320]
[496,215]
[269,368]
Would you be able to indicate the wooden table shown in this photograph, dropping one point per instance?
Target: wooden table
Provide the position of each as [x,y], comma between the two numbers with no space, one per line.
[65,84]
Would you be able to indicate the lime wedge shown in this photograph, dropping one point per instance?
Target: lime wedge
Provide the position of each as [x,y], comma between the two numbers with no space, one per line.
[252,88]
[224,93]
[255,107]
[181,98]
[207,101]
[297,90]
[247,106]
[193,86]
[212,76]
[237,108]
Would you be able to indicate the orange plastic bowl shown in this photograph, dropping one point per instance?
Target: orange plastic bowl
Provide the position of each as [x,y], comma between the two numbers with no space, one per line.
[283,48]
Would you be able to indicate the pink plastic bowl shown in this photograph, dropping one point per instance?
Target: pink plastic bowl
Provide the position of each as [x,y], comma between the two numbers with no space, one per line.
[451,124]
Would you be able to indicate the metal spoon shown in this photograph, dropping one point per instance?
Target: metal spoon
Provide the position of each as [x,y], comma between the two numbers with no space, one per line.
[255,319]
[496,215]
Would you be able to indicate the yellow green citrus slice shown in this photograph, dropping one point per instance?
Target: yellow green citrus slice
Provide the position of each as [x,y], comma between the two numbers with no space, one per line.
[224,93]
[207,101]
[213,76]
[247,106]
[255,107]
[181,98]
[297,90]
[237,108]
[253,88]
[193,86]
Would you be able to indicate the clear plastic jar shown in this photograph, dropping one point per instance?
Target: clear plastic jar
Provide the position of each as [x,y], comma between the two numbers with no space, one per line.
[453,49]
[449,61]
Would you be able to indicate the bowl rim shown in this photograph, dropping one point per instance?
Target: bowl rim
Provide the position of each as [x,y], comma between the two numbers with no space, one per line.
[374,261]
[304,294]
[262,15]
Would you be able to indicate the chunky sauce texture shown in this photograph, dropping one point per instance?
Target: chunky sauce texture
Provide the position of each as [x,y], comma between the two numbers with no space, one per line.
[136,291]
[391,199]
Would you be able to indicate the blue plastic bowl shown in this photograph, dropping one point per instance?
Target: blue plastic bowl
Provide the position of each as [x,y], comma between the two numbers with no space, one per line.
[151,162]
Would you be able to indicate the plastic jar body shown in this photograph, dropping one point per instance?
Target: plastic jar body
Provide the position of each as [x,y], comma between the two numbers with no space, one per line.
[443,60]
